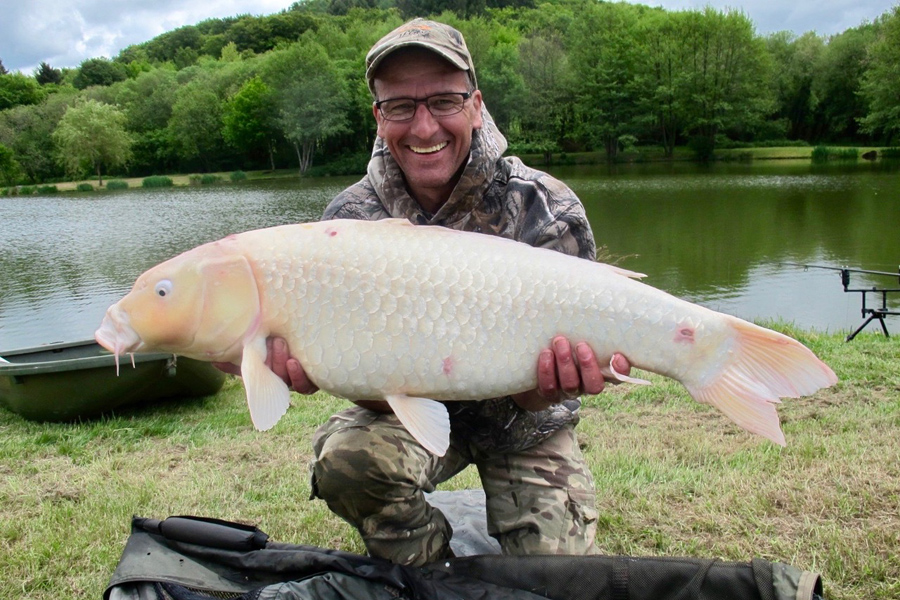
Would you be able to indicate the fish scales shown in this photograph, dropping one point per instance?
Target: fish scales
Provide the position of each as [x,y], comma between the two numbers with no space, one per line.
[413,315]
[441,302]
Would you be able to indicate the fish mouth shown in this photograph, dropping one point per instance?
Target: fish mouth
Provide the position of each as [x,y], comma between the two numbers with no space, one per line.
[116,334]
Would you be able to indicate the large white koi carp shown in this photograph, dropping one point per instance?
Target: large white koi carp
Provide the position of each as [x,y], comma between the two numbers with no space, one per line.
[414,315]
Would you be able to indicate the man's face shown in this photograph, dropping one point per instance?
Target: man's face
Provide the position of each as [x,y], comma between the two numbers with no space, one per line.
[429,150]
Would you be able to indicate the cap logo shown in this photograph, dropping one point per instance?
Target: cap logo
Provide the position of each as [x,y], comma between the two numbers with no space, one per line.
[413,27]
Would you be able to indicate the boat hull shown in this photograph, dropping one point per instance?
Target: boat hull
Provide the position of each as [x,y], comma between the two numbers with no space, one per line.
[75,380]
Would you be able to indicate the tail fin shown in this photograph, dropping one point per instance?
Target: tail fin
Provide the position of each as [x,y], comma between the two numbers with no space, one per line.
[767,366]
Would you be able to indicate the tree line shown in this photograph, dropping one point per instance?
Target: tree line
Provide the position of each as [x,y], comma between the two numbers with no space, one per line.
[253,92]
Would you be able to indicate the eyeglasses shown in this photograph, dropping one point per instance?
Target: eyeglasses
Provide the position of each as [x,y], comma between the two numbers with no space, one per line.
[439,105]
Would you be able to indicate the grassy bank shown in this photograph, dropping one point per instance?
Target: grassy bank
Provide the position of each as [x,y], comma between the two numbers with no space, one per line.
[644,154]
[654,154]
[675,478]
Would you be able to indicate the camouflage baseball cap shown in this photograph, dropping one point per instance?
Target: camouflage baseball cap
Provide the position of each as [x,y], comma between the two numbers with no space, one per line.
[431,35]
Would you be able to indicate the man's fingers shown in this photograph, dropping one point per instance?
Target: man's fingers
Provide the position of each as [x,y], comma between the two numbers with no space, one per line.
[298,378]
[591,375]
[548,386]
[566,368]
[277,357]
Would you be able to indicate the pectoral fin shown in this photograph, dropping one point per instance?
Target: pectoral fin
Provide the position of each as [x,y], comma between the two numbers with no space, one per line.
[426,420]
[268,397]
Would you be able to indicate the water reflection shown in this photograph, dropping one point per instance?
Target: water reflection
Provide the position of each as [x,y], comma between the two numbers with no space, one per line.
[64,259]
[719,236]
[722,237]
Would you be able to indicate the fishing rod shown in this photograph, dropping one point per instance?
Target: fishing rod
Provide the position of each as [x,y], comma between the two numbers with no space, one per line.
[846,269]
[869,314]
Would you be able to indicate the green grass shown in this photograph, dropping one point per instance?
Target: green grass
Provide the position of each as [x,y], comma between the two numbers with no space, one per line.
[117,184]
[674,478]
[761,153]
[157,181]
[822,154]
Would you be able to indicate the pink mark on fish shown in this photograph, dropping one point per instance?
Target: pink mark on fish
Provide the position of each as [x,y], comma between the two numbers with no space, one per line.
[447,366]
[684,334]
[331,232]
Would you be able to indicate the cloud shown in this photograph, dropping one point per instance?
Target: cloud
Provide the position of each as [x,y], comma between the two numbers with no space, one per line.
[64,33]
[825,17]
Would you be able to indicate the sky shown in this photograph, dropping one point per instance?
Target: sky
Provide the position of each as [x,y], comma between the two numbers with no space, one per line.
[63,33]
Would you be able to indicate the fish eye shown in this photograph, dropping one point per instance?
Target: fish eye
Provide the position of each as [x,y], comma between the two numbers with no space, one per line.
[163,288]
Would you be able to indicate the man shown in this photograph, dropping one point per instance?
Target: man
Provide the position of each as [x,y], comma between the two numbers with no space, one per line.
[438,161]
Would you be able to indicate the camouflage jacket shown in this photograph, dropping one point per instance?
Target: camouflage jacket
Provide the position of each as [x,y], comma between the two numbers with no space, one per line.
[497,196]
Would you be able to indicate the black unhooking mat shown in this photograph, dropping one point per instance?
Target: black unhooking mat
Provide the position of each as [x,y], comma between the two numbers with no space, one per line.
[192,558]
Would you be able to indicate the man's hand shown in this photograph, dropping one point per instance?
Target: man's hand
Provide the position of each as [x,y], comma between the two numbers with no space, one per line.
[280,361]
[564,372]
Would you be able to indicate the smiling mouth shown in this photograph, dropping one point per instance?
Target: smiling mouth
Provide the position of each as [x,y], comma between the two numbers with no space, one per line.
[429,149]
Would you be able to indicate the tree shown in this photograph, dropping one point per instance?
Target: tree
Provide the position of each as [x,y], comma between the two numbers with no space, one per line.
[798,61]
[838,81]
[185,57]
[495,52]
[3,70]
[10,171]
[47,74]
[164,47]
[17,89]
[229,53]
[261,34]
[661,107]
[28,131]
[881,82]
[195,128]
[147,102]
[92,134]
[605,58]
[724,64]
[342,7]
[545,115]
[312,98]
[247,118]
[98,71]
[418,8]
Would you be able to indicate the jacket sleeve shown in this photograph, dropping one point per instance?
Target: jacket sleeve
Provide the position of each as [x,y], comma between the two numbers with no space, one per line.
[551,216]
[359,201]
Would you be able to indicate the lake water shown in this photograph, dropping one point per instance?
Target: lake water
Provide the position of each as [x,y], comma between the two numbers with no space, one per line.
[719,236]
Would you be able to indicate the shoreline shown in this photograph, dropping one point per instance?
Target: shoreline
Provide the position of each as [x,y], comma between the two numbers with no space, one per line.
[646,156]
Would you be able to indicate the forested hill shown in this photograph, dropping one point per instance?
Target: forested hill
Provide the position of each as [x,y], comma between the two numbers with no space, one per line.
[287,89]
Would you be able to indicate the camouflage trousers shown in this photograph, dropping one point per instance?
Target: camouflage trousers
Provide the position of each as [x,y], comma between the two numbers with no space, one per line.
[372,473]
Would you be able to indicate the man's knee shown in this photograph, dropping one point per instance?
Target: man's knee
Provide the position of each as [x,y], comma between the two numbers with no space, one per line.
[366,464]
[348,463]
